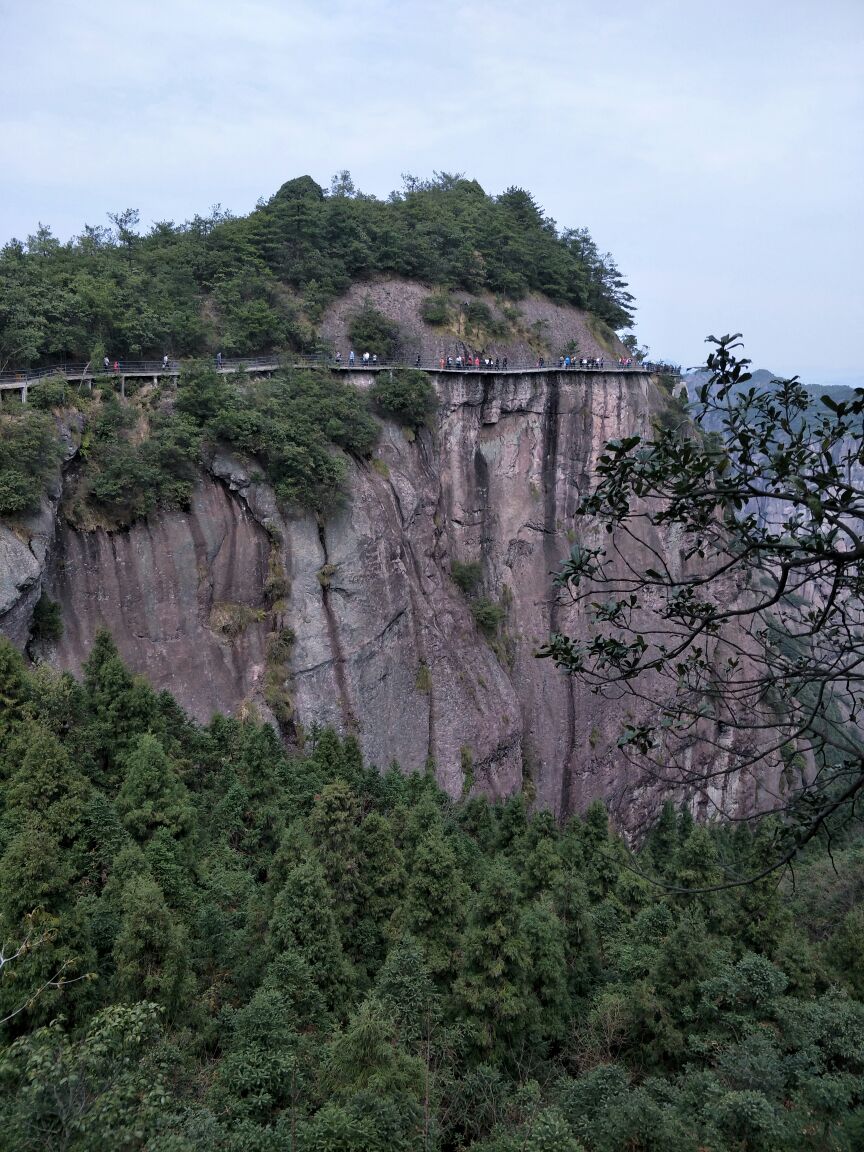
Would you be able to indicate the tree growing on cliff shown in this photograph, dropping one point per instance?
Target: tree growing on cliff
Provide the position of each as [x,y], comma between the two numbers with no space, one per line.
[722,577]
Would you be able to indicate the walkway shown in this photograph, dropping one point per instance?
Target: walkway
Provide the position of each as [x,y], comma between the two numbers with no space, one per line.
[154,370]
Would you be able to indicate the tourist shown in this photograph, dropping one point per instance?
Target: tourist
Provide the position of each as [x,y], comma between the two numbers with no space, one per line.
[351,358]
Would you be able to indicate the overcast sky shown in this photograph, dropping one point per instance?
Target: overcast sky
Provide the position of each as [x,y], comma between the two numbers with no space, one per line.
[716,149]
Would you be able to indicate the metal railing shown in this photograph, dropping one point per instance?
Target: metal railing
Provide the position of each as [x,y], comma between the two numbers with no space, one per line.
[273,363]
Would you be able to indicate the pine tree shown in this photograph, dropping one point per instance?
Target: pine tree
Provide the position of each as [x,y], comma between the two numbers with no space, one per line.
[121,707]
[493,983]
[151,951]
[433,910]
[152,795]
[304,920]
[381,881]
[44,790]
[333,825]
[13,688]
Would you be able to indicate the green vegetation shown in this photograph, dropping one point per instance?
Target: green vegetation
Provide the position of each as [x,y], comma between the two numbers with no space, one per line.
[488,614]
[405,395]
[466,576]
[144,453]
[436,310]
[47,620]
[127,475]
[214,945]
[258,283]
[480,318]
[50,394]
[289,423]
[30,455]
[369,330]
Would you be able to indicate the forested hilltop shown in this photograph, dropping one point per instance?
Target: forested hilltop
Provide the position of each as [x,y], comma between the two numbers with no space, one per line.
[210,945]
[261,282]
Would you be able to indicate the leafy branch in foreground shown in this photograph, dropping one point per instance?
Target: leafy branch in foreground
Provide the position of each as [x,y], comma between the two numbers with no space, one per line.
[722,577]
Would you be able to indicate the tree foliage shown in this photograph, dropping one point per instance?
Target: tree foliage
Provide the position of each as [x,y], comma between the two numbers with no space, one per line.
[259,283]
[210,942]
[739,639]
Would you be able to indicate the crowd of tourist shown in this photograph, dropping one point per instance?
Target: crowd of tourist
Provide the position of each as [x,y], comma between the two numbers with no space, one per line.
[461,362]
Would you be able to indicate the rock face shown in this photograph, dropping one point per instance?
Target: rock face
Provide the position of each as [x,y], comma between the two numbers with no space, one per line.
[384,642]
[157,588]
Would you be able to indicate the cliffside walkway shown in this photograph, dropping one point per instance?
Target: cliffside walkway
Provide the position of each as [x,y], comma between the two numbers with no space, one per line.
[155,370]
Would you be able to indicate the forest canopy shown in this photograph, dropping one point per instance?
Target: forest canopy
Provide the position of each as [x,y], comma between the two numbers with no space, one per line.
[248,284]
[210,943]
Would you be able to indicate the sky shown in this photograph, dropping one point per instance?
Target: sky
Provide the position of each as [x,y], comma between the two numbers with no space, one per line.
[715,149]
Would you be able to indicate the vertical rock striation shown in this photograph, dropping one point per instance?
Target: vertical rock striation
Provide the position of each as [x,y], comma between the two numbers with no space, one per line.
[383,642]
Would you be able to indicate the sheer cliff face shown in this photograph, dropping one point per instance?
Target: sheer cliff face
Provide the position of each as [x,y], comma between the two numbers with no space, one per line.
[385,644]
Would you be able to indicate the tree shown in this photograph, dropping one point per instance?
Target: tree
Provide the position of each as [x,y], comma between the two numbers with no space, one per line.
[493,987]
[722,576]
[95,1091]
[125,224]
[153,802]
[304,919]
[151,951]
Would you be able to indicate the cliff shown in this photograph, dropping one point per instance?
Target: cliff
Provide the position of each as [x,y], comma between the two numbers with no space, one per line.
[380,639]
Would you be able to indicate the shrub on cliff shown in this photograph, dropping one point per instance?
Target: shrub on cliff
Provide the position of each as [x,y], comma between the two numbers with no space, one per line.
[30,453]
[291,423]
[49,394]
[130,477]
[371,331]
[435,310]
[405,395]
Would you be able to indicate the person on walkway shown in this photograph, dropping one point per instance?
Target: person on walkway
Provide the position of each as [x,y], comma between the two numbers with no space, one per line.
[106,363]
[351,358]
[338,359]
[219,360]
[375,358]
[365,359]
[165,362]
[417,361]
[116,365]
[497,363]
[504,363]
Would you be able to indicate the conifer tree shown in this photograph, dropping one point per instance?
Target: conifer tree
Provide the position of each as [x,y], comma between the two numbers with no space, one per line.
[434,907]
[13,688]
[493,983]
[304,920]
[151,951]
[381,881]
[121,707]
[152,796]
